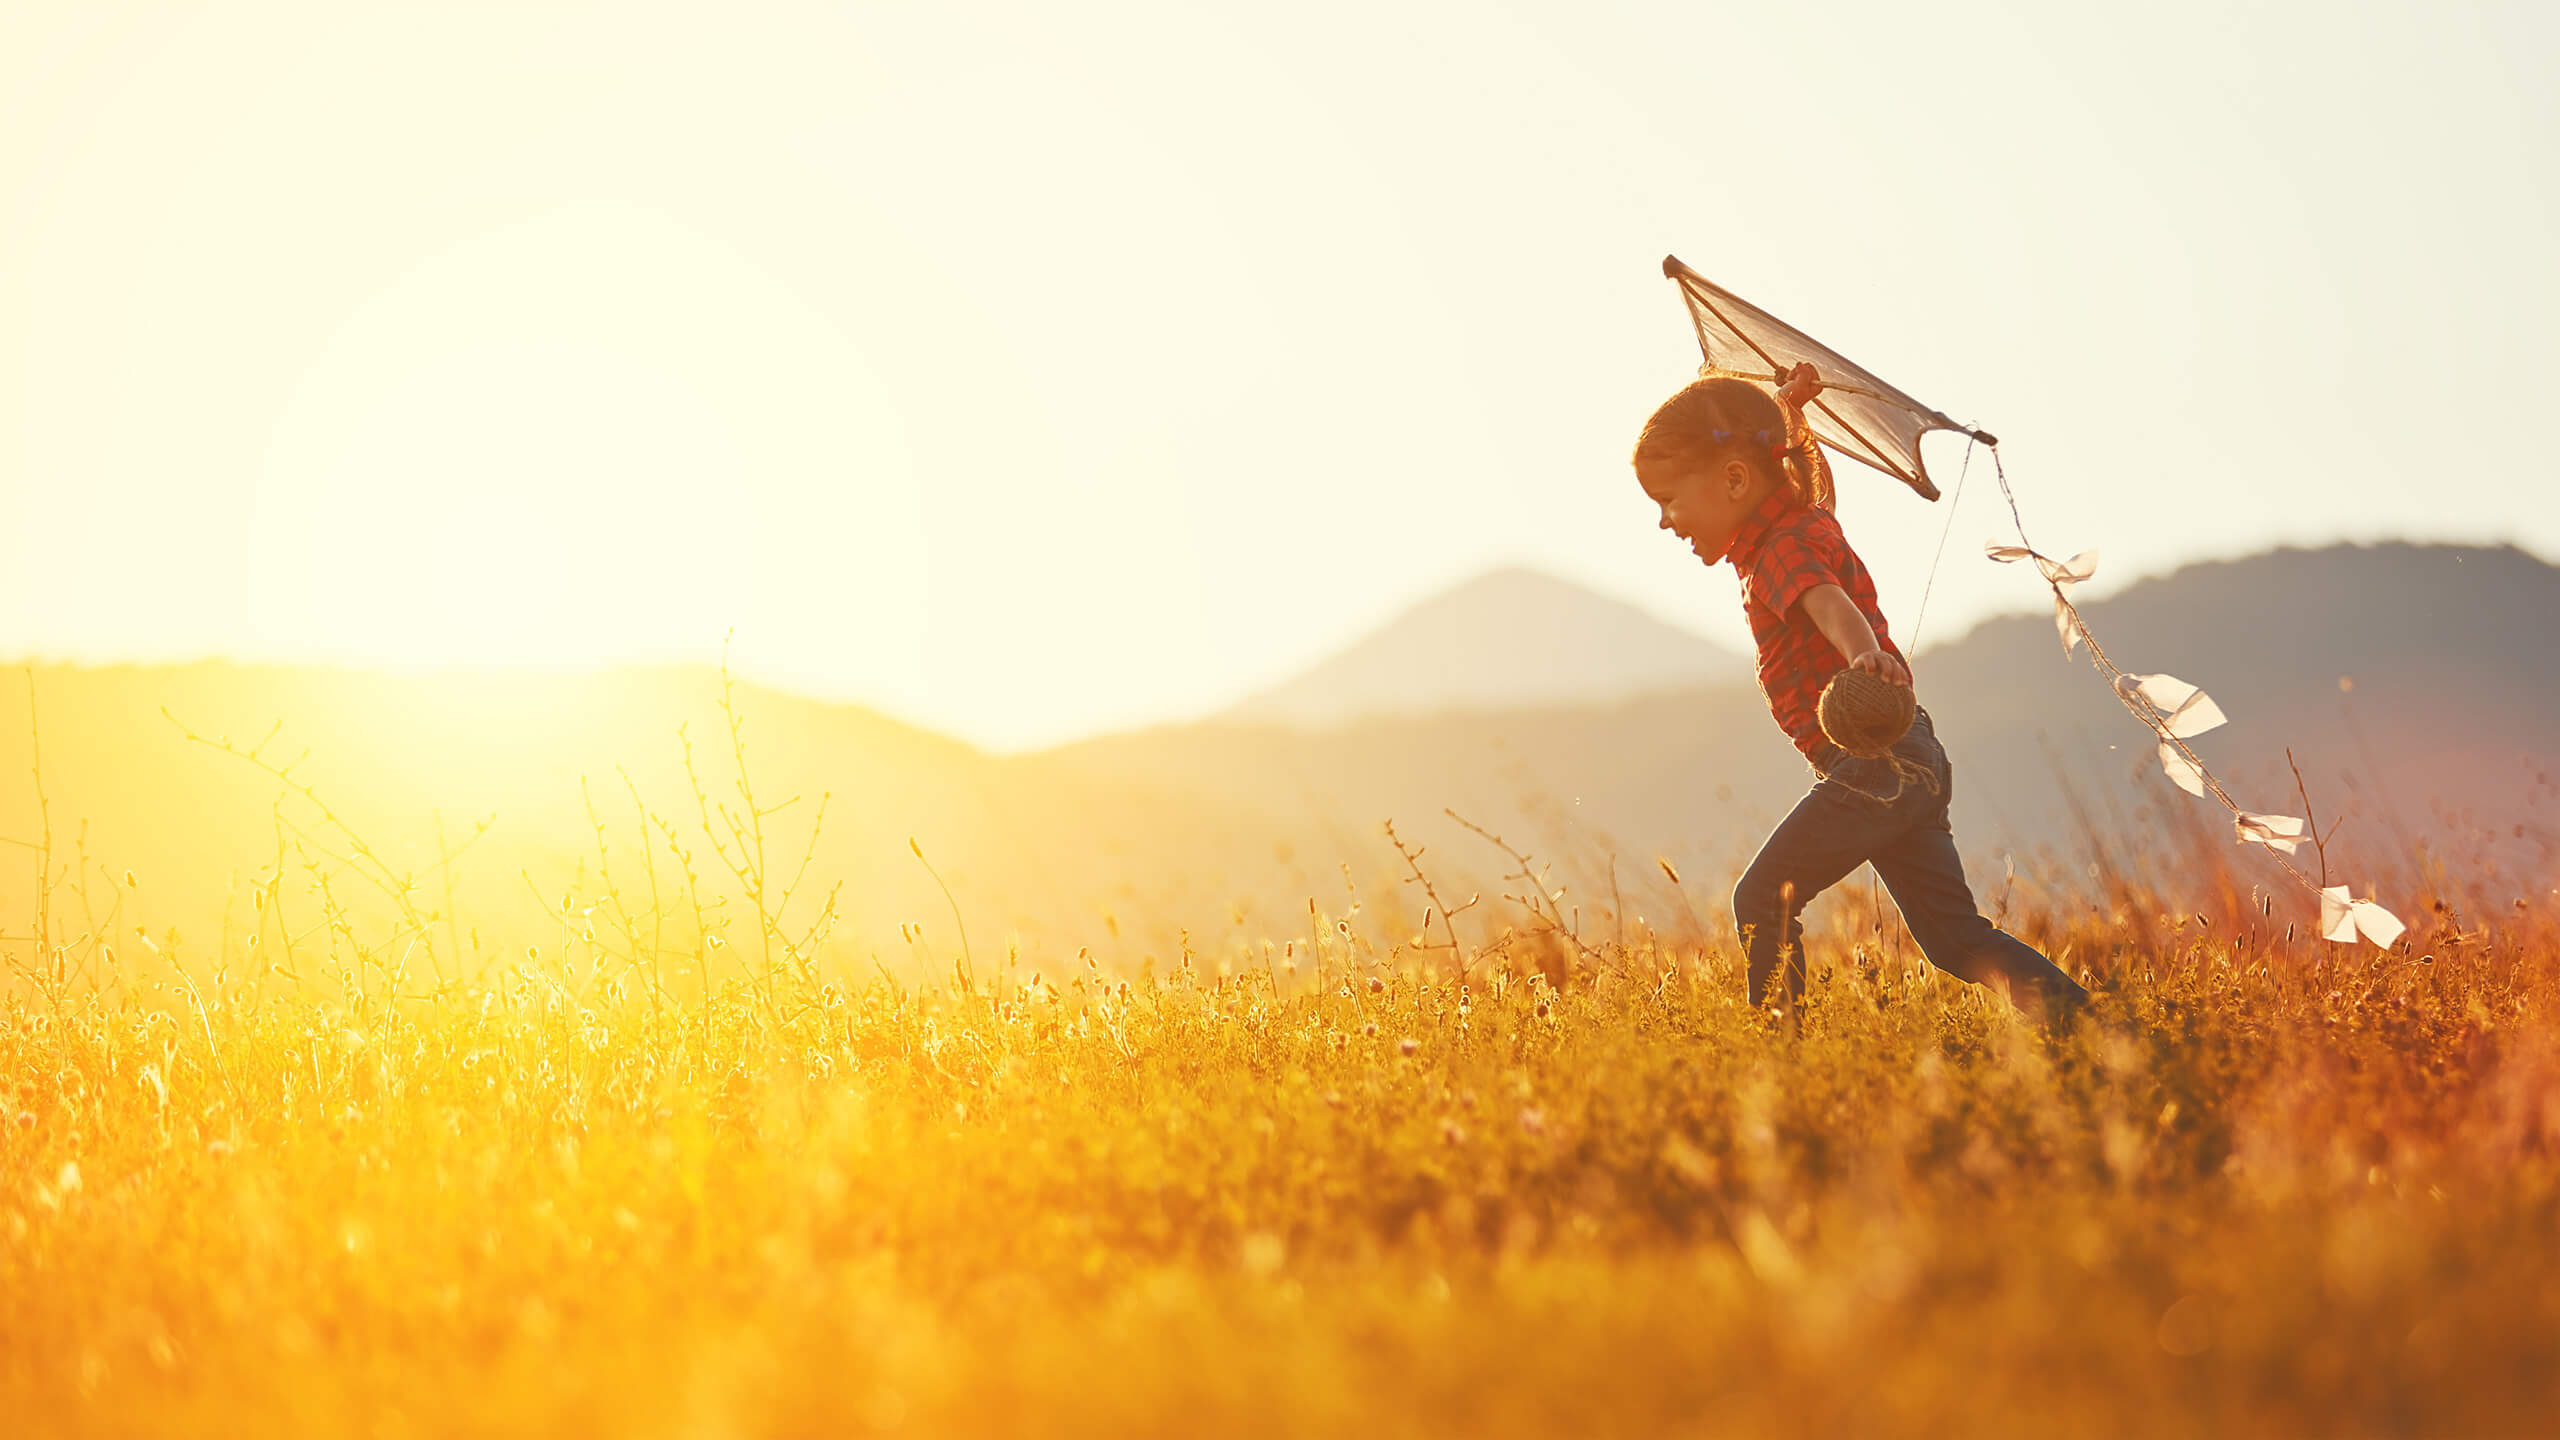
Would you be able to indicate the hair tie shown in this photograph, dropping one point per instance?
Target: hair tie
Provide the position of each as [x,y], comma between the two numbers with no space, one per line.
[1777,448]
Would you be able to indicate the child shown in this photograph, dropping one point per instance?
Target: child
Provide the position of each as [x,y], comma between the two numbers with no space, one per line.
[1741,479]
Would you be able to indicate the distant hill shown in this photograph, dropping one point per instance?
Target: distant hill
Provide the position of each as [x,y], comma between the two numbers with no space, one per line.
[2418,686]
[1510,638]
[2452,724]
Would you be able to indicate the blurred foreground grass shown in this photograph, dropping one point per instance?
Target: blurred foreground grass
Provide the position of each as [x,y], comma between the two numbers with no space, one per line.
[2276,1188]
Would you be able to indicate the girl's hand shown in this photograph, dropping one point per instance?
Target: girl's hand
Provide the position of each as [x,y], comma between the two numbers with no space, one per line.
[1802,384]
[1879,662]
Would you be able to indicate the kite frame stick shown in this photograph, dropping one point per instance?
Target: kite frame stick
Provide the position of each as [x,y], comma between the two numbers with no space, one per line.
[1828,388]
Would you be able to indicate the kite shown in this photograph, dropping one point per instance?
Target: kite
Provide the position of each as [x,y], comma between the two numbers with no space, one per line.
[1860,416]
[1857,414]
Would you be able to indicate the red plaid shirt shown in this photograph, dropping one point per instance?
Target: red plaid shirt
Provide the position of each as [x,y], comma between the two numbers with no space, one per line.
[1784,551]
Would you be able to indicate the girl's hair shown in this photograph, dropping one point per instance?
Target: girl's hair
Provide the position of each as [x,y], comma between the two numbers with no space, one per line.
[1711,419]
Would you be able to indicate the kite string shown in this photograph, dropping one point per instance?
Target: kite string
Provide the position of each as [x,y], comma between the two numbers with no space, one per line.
[2002,472]
[1954,500]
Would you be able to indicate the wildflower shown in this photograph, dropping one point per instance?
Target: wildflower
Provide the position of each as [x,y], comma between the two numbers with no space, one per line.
[1376,985]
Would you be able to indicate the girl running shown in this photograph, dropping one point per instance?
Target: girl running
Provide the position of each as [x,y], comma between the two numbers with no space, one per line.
[1738,476]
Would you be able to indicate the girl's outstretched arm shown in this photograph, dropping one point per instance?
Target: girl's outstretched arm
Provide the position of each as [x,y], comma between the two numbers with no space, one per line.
[1837,617]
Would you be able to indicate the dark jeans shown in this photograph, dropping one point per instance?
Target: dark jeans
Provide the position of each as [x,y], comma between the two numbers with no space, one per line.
[1868,809]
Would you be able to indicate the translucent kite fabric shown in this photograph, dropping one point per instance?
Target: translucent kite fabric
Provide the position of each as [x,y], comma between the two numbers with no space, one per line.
[1856,414]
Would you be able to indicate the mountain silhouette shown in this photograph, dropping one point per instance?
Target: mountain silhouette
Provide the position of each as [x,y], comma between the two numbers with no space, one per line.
[2417,688]
[1510,638]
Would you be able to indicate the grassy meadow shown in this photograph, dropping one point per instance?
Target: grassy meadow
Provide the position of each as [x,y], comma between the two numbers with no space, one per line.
[677,1160]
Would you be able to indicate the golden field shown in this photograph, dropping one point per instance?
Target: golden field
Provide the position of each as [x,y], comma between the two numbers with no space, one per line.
[675,1160]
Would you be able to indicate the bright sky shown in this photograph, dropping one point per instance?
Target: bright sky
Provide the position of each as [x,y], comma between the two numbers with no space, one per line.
[1032,370]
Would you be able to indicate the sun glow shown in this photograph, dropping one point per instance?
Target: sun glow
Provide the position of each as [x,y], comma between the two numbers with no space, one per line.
[591,437]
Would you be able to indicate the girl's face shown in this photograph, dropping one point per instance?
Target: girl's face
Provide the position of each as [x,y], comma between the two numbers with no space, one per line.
[1702,502]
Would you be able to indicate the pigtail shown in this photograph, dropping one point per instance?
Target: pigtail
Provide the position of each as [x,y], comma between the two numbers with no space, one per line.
[1808,472]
